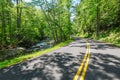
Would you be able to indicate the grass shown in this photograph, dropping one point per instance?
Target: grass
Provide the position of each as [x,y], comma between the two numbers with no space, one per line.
[22,58]
[110,36]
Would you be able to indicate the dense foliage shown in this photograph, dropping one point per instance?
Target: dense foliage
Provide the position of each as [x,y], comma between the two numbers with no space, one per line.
[96,16]
[23,23]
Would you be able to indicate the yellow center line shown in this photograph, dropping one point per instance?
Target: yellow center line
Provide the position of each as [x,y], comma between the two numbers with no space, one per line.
[86,66]
[82,64]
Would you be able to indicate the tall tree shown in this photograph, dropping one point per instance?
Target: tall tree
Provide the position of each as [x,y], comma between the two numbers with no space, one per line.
[19,13]
[97,17]
[3,23]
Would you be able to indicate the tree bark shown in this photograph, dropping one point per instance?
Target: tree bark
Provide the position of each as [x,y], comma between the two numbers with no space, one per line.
[3,25]
[97,19]
[19,13]
[48,19]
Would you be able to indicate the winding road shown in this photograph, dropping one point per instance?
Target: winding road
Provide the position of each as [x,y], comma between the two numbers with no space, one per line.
[82,59]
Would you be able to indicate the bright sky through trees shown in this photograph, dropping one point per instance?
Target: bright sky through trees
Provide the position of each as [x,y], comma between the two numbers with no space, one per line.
[24,23]
[27,0]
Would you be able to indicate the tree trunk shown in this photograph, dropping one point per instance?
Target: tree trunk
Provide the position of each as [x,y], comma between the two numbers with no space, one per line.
[97,19]
[19,13]
[118,20]
[3,26]
[48,19]
[54,21]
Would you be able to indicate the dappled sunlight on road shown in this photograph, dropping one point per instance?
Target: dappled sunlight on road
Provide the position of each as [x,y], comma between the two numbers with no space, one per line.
[60,64]
[63,63]
[104,63]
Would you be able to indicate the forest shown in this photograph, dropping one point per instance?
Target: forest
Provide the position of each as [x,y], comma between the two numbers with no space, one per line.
[23,23]
[26,22]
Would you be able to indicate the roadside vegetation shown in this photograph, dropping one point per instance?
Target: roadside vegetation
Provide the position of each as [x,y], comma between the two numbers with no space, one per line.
[111,36]
[98,19]
[23,23]
[21,58]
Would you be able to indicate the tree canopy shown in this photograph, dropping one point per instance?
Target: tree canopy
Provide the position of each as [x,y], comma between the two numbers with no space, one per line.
[24,23]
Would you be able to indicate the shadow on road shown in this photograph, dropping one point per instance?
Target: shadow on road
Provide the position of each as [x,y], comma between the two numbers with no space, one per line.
[101,45]
[93,44]
[103,67]
[104,64]
[57,66]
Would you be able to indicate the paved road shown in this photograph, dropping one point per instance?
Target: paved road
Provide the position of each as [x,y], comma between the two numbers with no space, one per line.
[63,63]
[104,62]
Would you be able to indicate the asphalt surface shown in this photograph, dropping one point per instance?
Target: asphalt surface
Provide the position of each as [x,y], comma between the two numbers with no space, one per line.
[104,62]
[63,63]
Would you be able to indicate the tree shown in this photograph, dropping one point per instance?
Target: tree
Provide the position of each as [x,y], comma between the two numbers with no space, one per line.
[97,18]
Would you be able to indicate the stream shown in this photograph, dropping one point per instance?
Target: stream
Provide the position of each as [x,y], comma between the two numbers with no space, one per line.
[10,53]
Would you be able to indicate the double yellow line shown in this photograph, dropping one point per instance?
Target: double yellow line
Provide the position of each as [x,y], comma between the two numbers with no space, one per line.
[84,65]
